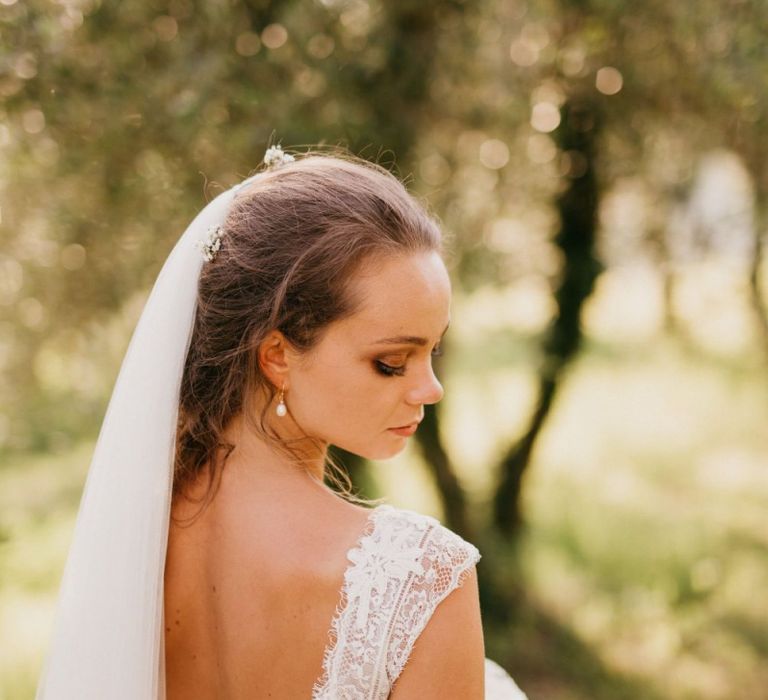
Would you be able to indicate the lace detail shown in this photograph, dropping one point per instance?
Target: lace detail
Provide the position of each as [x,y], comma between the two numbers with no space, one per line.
[403,565]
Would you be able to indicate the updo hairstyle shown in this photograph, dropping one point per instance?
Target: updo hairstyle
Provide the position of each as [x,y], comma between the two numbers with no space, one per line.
[292,242]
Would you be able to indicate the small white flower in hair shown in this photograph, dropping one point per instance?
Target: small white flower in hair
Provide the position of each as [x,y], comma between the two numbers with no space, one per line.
[275,157]
[211,243]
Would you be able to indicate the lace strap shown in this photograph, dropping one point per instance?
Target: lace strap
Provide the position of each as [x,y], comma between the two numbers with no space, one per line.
[401,568]
[446,562]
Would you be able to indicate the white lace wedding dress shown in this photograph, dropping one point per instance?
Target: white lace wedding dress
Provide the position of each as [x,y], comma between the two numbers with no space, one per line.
[402,566]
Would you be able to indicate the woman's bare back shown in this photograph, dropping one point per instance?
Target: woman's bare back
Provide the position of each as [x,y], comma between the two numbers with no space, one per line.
[250,591]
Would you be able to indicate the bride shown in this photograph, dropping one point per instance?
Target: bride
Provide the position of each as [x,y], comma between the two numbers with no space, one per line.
[210,560]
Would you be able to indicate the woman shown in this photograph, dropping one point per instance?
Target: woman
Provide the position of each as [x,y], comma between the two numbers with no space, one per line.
[308,318]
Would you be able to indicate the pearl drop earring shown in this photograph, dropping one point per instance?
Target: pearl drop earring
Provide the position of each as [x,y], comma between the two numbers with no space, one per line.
[281,410]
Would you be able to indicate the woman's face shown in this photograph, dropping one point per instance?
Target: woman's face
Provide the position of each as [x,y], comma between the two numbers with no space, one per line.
[372,371]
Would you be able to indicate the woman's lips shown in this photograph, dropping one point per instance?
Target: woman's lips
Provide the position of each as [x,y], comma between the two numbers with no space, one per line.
[406,430]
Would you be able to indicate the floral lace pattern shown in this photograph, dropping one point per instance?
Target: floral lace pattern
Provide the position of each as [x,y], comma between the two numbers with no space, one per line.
[404,564]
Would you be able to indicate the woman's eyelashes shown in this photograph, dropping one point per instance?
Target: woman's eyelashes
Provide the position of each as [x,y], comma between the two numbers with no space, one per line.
[389,370]
[399,370]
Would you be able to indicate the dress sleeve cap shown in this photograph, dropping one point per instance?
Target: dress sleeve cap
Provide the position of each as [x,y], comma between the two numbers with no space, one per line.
[446,560]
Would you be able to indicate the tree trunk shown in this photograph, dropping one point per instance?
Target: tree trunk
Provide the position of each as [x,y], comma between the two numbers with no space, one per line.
[439,464]
[577,208]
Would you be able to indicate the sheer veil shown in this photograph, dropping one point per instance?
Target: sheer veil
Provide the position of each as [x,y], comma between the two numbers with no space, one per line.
[108,637]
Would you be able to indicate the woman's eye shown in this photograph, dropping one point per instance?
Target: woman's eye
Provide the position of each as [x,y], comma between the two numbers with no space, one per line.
[389,370]
[399,370]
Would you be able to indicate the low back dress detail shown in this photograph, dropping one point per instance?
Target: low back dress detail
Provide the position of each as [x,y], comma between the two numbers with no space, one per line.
[402,566]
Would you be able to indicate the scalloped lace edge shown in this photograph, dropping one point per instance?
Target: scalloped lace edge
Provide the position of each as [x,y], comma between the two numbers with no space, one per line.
[369,528]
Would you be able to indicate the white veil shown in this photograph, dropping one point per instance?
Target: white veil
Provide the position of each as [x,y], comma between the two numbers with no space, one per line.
[108,638]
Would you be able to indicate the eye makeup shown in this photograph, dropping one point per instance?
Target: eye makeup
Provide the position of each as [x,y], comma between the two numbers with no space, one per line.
[399,370]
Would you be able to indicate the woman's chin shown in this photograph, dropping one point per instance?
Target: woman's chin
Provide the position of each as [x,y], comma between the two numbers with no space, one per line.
[378,452]
[388,453]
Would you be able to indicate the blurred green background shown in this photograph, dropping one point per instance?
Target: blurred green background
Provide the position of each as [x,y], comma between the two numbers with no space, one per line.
[600,170]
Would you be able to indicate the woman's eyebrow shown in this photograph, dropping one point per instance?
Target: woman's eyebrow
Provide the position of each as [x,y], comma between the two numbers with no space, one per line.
[407,339]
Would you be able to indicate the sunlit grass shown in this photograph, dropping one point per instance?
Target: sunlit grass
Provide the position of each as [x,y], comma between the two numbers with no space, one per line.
[646,502]
[39,496]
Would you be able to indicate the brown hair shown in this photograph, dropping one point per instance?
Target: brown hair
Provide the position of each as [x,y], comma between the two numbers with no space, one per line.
[293,240]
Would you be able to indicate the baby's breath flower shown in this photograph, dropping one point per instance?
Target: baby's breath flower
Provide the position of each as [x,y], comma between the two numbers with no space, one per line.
[275,157]
[210,245]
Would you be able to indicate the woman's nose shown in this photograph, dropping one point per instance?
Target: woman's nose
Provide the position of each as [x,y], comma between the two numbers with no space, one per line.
[428,390]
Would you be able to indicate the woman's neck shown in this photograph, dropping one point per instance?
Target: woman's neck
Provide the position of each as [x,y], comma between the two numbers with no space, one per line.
[267,461]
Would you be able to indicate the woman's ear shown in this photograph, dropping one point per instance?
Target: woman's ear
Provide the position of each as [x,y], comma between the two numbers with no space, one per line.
[273,354]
